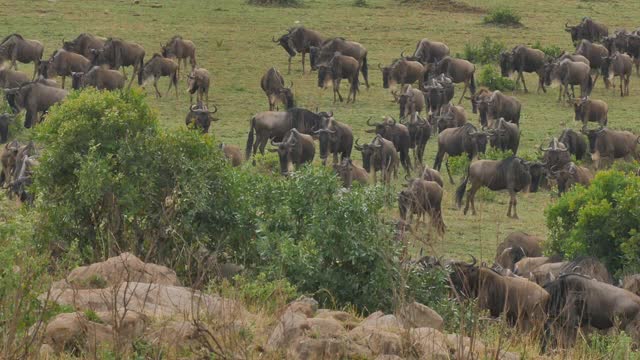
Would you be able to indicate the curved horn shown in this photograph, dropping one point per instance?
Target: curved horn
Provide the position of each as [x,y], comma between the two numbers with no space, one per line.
[193,107]
[402,54]
[474,260]
[369,122]
[601,129]
[274,39]
[379,66]
[358,146]
[275,143]
[543,149]
[214,111]
[394,120]
[291,84]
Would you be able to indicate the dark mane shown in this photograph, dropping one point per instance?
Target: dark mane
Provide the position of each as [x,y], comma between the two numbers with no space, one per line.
[11,35]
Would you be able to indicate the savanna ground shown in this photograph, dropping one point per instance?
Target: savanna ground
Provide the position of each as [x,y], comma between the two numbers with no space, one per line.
[234,43]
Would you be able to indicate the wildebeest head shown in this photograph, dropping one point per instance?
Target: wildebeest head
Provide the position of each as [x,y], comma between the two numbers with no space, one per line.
[575,32]
[77,80]
[326,134]
[286,43]
[314,53]
[324,75]
[285,95]
[69,46]
[550,70]
[579,108]
[15,97]
[367,151]
[5,120]
[386,72]
[405,198]
[381,127]
[606,66]
[201,117]
[284,148]
[556,154]
[479,101]
[593,136]
[537,171]
[478,140]
[97,56]
[465,278]
[506,63]
[343,170]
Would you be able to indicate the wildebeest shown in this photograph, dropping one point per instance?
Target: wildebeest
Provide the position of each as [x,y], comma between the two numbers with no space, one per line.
[499,105]
[299,40]
[64,63]
[419,134]
[430,174]
[36,98]
[511,174]
[201,117]
[181,49]
[516,246]
[411,101]
[198,82]
[156,68]
[522,301]
[619,65]
[379,155]
[610,144]
[5,121]
[457,141]
[556,155]
[275,124]
[568,73]
[99,77]
[460,71]
[569,175]
[402,71]
[591,110]
[572,57]
[22,176]
[11,78]
[118,53]
[453,116]
[334,137]
[429,52]
[83,44]
[438,92]
[8,161]
[16,48]
[272,83]
[632,283]
[505,136]
[574,142]
[348,172]
[595,53]
[338,68]
[588,30]
[398,134]
[295,148]
[324,53]
[523,59]
[422,197]
[479,101]
[232,153]
[528,264]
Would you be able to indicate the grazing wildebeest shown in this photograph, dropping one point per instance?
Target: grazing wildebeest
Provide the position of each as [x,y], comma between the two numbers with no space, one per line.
[619,65]
[576,301]
[334,137]
[568,73]
[198,82]
[516,246]
[457,141]
[587,29]
[295,148]
[460,71]
[402,71]
[272,83]
[422,197]
[64,63]
[36,98]
[338,68]
[430,174]
[118,53]
[453,116]
[181,49]
[16,48]
[523,59]
[98,77]
[511,174]
[347,171]
[595,53]
[156,68]
[299,40]
[232,153]
[522,301]
[201,117]
[574,142]
[611,144]
[83,44]
[419,134]
[591,110]
[5,121]
[505,136]
[324,53]
[379,155]
[398,134]
[275,124]
[438,92]
[570,175]
[11,78]
[411,101]
[499,105]
[556,155]
[429,52]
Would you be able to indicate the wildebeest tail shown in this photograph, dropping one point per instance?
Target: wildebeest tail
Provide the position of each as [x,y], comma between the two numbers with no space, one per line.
[356,83]
[365,69]
[247,154]
[589,85]
[461,190]
[472,85]
[174,79]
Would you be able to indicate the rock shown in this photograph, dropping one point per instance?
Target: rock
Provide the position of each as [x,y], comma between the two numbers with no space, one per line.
[326,328]
[378,340]
[337,315]
[318,349]
[429,343]
[290,328]
[378,319]
[130,326]
[416,315]
[461,346]
[74,330]
[305,305]
[173,334]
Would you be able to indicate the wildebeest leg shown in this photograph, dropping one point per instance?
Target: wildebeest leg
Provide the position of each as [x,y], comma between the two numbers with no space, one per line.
[206,95]
[464,91]
[35,70]
[289,70]
[133,75]
[446,165]
[263,143]
[375,177]
[155,86]
[621,91]
[596,79]
[303,54]
[512,202]
[438,162]
[64,78]
[471,199]
[523,83]
[336,88]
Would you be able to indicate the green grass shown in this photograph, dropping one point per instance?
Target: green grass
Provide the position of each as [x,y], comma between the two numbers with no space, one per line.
[234,44]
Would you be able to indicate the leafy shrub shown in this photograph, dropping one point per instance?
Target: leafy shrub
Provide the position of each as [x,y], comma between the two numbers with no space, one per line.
[600,221]
[502,16]
[490,77]
[488,52]
[552,51]
[258,291]
[496,154]
[284,3]
[459,164]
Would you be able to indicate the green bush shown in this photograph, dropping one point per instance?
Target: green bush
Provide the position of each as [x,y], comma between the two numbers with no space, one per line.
[600,221]
[283,3]
[496,154]
[488,52]
[502,16]
[552,51]
[490,77]
[459,164]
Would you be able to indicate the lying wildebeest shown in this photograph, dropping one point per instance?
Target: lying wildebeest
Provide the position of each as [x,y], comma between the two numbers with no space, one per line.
[611,144]
[574,142]
[576,301]
[411,101]
[505,136]
[595,53]
[422,197]
[325,52]
[398,134]
[201,117]
[516,246]
[338,68]
[498,105]
[457,141]
[348,172]
[232,153]
[429,52]
[460,71]
[275,124]
[83,44]
[523,59]
[36,98]
[16,48]
[156,68]
[619,65]
[511,174]
[5,121]
[272,83]
[438,92]
[402,71]
[568,73]
[569,175]
[12,78]
[299,40]
[118,53]
[522,301]
[98,77]
[453,116]
[419,134]
[181,49]
[64,63]
[198,82]
[379,155]
[591,110]
[588,30]
[295,148]
[334,137]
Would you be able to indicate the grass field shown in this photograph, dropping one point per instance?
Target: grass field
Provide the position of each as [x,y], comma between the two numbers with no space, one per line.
[234,43]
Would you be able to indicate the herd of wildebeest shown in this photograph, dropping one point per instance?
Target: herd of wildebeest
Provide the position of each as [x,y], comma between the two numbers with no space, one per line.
[523,285]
